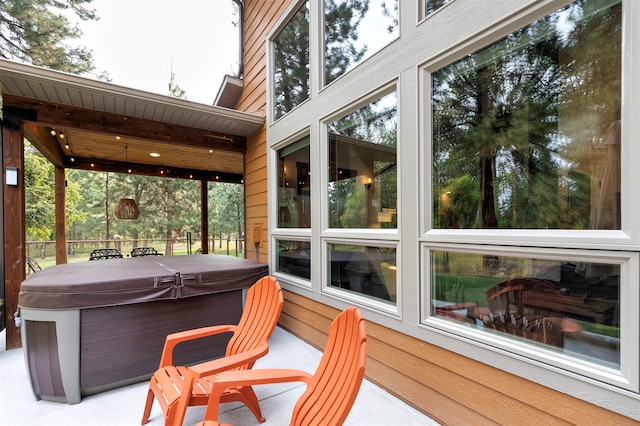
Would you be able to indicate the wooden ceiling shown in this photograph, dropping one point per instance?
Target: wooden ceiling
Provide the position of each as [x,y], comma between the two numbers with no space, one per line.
[115,129]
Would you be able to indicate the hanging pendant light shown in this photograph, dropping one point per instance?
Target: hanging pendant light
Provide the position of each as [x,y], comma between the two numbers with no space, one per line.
[127,207]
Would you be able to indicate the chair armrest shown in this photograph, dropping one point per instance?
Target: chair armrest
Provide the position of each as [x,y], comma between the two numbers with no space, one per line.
[214,366]
[173,339]
[237,378]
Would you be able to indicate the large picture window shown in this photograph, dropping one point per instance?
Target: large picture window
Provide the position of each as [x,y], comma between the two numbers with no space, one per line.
[362,167]
[526,132]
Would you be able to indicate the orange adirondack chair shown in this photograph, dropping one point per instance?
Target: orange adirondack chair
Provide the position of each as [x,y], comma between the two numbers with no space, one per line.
[331,390]
[175,391]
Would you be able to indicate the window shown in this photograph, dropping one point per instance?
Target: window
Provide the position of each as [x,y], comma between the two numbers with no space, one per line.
[355,30]
[365,270]
[291,63]
[526,132]
[294,258]
[362,167]
[294,200]
[568,306]
[430,6]
[292,245]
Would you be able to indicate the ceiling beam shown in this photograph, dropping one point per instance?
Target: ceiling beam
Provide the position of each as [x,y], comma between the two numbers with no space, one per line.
[98,165]
[58,115]
[44,143]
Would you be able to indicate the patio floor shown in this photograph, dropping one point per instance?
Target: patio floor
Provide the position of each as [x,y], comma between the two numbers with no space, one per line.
[123,406]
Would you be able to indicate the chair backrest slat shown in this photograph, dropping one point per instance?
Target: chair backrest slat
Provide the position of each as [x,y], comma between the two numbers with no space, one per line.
[333,389]
[259,318]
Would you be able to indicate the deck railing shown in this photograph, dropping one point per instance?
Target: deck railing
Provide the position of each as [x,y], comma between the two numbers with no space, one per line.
[79,250]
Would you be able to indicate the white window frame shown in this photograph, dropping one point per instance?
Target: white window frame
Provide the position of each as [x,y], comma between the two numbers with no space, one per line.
[627,376]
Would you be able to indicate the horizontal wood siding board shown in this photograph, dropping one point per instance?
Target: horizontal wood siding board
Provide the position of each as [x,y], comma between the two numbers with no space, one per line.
[437,406]
[256,166]
[257,153]
[258,199]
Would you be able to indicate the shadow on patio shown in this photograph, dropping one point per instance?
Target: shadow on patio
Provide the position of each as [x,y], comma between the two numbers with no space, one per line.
[123,406]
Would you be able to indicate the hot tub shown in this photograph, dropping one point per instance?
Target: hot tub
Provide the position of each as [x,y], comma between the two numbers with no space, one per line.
[93,326]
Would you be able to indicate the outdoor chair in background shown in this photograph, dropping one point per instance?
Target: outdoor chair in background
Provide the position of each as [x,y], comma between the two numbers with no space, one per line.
[250,341]
[530,308]
[105,253]
[331,390]
[144,251]
[33,265]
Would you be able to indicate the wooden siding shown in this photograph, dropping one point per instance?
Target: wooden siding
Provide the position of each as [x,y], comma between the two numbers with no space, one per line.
[259,18]
[444,385]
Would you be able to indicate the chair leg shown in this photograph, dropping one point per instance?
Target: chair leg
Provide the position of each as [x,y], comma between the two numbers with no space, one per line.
[147,408]
[247,396]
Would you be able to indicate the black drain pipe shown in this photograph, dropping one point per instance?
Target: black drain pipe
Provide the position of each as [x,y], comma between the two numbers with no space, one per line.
[240,4]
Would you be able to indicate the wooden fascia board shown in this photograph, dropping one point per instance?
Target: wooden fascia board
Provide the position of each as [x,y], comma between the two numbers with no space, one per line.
[58,115]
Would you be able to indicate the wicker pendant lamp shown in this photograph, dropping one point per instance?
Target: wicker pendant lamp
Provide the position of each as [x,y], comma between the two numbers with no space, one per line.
[127,207]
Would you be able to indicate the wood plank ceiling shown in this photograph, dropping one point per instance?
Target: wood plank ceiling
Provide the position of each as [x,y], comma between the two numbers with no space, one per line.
[113,128]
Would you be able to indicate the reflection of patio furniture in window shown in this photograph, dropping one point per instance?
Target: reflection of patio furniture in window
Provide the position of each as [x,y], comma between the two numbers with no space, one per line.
[105,253]
[296,263]
[331,390]
[144,251]
[526,307]
[33,265]
[365,275]
[389,275]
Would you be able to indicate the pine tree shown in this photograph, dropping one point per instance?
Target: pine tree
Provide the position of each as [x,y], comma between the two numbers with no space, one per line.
[37,31]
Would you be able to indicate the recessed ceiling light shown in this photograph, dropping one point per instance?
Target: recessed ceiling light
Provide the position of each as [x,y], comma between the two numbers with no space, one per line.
[117,138]
[154,154]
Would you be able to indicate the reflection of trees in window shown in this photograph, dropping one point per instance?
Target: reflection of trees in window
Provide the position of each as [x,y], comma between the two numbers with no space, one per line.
[516,122]
[353,31]
[341,21]
[291,63]
[363,174]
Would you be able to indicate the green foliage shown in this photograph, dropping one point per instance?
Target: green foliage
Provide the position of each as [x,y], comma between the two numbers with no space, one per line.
[39,196]
[169,208]
[36,32]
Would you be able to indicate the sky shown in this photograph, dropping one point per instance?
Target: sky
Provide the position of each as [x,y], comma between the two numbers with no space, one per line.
[136,41]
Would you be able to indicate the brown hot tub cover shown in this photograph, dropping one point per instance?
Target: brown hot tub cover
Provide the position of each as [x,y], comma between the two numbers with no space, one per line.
[134,280]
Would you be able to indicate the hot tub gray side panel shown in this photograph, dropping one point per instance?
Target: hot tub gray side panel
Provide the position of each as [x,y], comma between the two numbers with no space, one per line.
[67,332]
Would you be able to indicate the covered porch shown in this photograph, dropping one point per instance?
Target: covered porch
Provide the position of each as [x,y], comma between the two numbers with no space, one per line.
[78,123]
